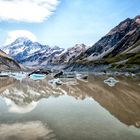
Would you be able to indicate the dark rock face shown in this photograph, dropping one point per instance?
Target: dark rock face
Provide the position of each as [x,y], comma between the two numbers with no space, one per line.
[8,63]
[120,47]
[117,40]
[127,41]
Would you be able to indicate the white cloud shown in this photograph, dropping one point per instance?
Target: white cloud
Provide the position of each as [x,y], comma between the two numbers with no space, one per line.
[13,35]
[20,109]
[30,130]
[27,10]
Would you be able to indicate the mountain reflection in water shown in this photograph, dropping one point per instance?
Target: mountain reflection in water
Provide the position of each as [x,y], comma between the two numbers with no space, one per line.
[122,100]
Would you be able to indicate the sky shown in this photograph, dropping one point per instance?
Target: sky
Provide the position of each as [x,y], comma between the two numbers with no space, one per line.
[62,22]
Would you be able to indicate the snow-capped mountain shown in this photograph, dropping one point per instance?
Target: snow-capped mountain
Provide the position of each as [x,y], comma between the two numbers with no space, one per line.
[42,57]
[31,53]
[22,48]
[70,54]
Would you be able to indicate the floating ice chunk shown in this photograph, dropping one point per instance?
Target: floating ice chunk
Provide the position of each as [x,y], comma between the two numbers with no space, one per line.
[18,76]
[127,74]
[133,75]
[4,74]
[55,82]
[37,76]
[111,81]
[137,124]
[82,77]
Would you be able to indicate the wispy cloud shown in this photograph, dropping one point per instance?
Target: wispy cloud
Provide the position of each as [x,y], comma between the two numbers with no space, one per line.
[13,35]
[27,10]
[26,131]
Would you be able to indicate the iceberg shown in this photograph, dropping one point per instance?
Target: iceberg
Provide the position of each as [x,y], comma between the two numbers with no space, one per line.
[127,74]
[111,81]
[18,76]
[4,74]
[37,76]
[82,77]
[55,82]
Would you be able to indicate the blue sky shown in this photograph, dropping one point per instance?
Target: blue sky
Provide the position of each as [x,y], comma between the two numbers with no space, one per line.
[66,22]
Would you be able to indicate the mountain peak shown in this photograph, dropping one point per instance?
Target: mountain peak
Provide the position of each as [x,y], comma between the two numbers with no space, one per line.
[137,19]
[23,47]
[56,47]
[80,45]
[22,40]
[121,27]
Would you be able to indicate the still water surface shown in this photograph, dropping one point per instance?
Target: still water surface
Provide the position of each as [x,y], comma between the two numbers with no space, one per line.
[76,110]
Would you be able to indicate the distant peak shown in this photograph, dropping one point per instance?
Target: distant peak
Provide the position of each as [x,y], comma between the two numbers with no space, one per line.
[56,47]
[80,45]
[23,40]
[121,26]
[20,39]
[137,19]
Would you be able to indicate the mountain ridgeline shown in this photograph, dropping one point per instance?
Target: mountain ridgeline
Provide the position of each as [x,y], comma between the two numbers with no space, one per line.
[120,48]
[8,63]
[34,54]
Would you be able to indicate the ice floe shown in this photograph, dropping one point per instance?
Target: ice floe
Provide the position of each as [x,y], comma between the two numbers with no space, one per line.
[37,76]
[111,81]
[18,75]
[55,82]
[82,77]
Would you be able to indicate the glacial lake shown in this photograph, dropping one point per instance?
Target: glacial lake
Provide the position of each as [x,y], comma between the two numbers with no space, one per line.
[75,110]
